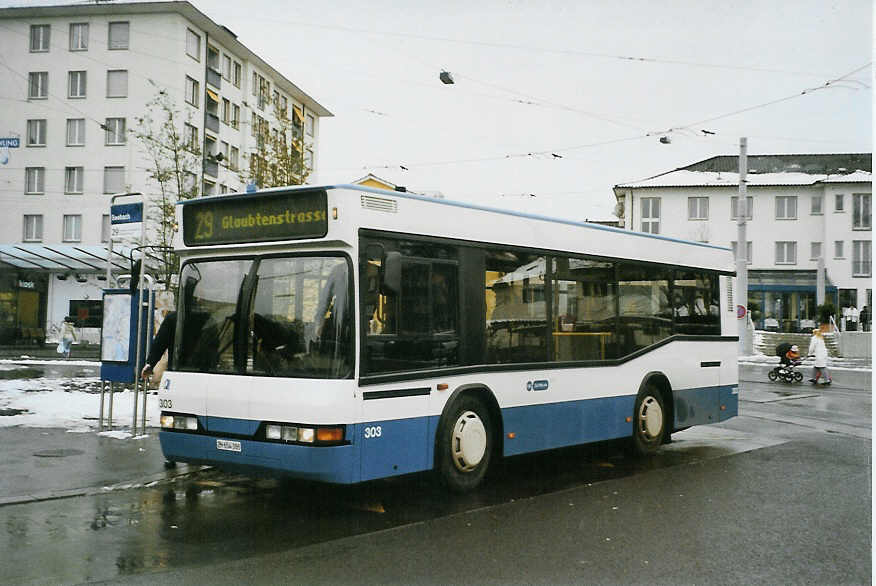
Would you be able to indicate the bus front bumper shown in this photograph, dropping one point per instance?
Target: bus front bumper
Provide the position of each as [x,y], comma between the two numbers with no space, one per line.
[334,464]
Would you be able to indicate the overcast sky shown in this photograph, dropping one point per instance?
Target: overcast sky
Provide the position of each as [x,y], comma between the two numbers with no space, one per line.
[585,80]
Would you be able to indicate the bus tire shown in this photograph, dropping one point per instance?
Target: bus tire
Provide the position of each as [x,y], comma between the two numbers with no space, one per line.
[649,421]
[465,444]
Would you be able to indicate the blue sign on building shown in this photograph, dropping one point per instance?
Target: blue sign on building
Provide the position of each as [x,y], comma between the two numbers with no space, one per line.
[10,143]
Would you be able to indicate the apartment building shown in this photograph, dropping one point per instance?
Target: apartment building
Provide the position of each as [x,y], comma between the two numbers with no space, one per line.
[78,78]
[802,211]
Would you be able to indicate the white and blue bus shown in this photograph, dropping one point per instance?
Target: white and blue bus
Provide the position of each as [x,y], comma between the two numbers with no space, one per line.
[344,333]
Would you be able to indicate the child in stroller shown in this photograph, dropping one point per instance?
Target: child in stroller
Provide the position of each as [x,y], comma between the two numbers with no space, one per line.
[789,359]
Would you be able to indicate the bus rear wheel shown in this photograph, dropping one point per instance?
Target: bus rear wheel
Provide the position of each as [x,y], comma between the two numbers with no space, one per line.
[465,444]
[649,421]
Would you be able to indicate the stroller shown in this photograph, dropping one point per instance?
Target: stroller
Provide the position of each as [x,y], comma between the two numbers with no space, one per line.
[787,368]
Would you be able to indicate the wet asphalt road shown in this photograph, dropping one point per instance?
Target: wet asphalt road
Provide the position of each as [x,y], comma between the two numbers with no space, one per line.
[779,495]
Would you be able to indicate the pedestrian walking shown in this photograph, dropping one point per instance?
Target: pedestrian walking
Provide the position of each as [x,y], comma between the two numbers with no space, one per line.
[865,318]
[818,348]
[68,336]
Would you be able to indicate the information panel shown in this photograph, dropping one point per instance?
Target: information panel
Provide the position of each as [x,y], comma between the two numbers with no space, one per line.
[115,343]
[286,215]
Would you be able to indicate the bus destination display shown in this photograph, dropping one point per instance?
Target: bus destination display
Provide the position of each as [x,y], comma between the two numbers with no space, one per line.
[256,218]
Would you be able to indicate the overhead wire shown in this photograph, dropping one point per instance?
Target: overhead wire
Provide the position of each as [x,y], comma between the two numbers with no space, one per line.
[571,52]
[676,129]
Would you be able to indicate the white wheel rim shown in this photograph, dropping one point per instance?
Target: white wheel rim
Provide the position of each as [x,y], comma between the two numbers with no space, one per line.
[469,442]
[650,418]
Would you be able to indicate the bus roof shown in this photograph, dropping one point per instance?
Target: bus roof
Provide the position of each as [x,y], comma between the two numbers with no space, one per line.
[447,202]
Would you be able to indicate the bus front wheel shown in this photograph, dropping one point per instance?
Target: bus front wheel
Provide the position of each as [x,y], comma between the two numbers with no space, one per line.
[649,421]
[465,444]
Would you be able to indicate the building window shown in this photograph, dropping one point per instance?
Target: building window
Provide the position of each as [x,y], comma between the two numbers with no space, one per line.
[308,160]
[79,36]
[76,132]
[115,131]
[39,38]
[284,106]
[213,58]
[734,246]
[749,207]
[838,249]
[226,67]
[192,91]
[33,228]
[311,123]
[36,133]
[72,228]
[193,44]
[35,180]
[73,180]
[234,158]
[786,207]
[38,85]
[235,116]
[861,260]
[119,36]
[786,253]
[697,207]
[223,188]
[117,83]
[839,202]
[105,228]
[225,149]
[816,207]
[113,179]
[191,137]
[238,73]
[861,219]
[76,84]
[226,111]
[651,215]
[814,250]
[190,182]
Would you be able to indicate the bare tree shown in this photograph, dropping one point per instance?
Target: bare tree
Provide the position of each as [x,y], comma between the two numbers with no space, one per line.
[170,143]
[279,158]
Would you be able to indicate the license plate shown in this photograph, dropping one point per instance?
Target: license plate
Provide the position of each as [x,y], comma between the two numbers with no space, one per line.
[227,445]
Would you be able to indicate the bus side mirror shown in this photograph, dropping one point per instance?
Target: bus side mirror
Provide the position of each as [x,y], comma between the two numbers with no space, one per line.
[391,282]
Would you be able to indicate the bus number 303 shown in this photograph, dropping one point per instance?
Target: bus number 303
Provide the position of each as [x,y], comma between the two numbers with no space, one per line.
[373,431]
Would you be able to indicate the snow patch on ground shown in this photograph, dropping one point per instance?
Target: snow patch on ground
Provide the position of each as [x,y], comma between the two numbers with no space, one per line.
[70,403]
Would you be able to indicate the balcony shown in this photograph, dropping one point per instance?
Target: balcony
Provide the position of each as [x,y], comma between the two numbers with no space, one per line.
[213,122]
[211,168]
[214,78]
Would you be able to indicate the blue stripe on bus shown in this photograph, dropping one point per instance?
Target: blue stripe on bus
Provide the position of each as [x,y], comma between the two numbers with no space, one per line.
[556,425]
[336,464]
[703,405]
[238,427]
[403,446]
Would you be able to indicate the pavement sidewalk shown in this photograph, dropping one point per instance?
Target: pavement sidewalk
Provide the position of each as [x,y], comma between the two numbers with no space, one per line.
[49,463]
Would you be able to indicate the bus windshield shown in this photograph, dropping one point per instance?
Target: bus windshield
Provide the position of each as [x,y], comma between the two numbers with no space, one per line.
[295,311]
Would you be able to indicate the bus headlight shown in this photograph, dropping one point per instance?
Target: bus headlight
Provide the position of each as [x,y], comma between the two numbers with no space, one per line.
[185,422]
[329,435]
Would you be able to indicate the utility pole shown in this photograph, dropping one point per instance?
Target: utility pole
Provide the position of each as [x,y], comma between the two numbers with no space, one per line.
[745,336]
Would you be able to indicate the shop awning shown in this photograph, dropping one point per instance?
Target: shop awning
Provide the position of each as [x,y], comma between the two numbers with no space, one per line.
[58,258]
[786,280]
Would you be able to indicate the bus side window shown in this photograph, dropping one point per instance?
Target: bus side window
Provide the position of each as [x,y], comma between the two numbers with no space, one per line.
[416,328]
